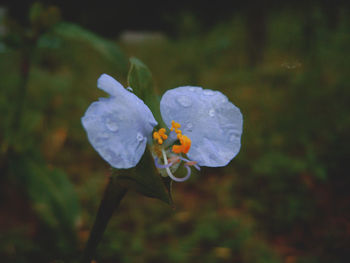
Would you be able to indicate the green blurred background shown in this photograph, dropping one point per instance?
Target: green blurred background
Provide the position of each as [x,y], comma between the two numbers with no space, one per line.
[284,198]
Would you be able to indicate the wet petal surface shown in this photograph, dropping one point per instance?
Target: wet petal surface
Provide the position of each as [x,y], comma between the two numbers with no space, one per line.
[119,126]
[209,119]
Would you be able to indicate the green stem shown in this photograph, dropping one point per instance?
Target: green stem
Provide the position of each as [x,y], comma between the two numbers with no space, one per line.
[113,195]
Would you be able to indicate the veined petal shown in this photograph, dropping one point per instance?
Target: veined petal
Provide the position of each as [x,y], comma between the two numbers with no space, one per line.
[209,119]
[118,127]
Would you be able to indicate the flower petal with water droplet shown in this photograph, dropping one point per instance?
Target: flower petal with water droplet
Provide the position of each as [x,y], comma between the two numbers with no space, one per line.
[118,127]
[216,124]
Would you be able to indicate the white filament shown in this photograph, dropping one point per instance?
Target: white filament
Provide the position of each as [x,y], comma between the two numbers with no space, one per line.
[176,179]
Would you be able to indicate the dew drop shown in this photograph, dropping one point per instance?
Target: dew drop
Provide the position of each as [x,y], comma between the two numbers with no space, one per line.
[112,125]
[223,100]
[208,92]
[213,157]
[189,126]
[211,112]
[233,137]
[99,139]
[184,101]
[103,135]
[139,137]
[87,119]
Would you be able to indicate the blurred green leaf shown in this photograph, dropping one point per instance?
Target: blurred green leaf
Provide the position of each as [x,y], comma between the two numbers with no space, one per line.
[276,163]
[106,48]
[53,197]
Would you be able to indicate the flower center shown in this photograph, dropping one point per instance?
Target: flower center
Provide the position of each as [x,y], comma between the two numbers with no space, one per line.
[185,142]
[183,147]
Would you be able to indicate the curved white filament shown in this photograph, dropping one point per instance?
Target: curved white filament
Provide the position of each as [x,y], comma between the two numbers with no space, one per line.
[162,166]
[176,179]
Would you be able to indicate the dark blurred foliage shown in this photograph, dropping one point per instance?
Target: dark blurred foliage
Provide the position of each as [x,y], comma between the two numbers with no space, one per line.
[109,18]
[284,198]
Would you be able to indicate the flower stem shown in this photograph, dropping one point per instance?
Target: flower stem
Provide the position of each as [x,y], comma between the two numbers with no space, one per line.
[113,195]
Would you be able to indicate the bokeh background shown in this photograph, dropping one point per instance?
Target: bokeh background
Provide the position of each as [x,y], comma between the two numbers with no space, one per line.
[284,198]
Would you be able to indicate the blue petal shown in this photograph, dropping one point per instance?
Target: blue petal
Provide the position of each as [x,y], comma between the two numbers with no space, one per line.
[209,119]
[118,127]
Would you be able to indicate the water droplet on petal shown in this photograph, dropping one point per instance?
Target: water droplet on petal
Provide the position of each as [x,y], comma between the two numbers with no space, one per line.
[103,135]
[211,112]
[189,126]
[213,157]
[139,137]
[208,92]
[184,101]
[233,137]
[223,100]
[111,125]
[87,119]
[130,89]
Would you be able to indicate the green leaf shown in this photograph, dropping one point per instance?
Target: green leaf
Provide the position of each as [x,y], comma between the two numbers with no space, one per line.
[109,50]
[145,180]
[52,196]
[168,185]
[140,80]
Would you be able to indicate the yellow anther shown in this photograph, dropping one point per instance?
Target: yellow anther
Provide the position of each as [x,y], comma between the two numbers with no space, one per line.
[175,127]
[162,133]
[185,144]
[157,137]
[160,136]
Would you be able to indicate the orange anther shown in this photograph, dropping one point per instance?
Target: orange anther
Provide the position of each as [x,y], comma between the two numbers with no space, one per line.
[185,144]
[160,136]
[162,133]
[157,137]
[175,127]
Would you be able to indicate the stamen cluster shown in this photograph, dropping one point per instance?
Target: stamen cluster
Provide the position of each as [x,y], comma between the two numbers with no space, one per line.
[160,135]
[184,147]
[185,142]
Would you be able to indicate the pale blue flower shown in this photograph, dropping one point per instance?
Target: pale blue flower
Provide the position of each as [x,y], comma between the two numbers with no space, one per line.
[213,124]
[120,126]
